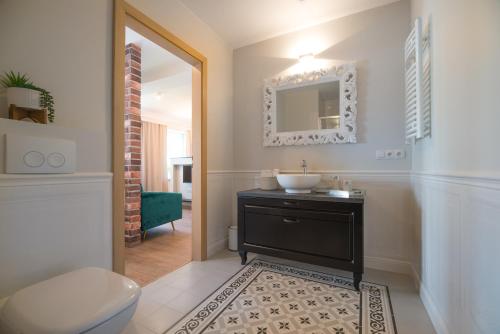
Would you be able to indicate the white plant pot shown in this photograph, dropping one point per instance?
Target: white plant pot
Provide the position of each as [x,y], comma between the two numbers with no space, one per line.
[23,97]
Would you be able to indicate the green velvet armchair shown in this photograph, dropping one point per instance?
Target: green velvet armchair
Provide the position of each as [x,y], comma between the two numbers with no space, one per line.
[158,208]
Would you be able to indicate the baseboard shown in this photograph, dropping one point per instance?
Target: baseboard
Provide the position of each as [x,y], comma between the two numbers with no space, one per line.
[432,311]
[429,304]
[416,277]
[217,246]
[386,264]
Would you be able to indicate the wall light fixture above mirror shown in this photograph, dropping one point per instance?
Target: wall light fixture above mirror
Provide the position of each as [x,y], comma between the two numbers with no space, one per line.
[317,107]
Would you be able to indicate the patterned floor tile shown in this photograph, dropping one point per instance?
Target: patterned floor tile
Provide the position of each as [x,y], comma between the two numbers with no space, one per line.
[269,298]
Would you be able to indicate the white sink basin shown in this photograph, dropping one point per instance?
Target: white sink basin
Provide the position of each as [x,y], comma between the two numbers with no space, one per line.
[298,183]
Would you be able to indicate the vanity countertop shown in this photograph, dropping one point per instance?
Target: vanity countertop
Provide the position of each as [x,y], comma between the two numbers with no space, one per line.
[281,194]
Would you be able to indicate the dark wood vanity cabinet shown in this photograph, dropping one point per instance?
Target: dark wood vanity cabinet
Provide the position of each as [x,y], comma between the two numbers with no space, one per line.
[311,228]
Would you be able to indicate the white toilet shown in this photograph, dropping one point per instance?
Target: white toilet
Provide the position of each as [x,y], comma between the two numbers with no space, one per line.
[88,300]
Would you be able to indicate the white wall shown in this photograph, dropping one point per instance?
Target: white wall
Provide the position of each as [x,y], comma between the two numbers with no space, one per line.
[374,40]
[465,86]
[455,173]
[65,52]
[66,47]
[182,22]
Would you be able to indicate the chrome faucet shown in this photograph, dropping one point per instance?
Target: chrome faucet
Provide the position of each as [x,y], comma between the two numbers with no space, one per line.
[304,166]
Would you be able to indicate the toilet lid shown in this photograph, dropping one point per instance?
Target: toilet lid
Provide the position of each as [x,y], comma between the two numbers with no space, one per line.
[70,303]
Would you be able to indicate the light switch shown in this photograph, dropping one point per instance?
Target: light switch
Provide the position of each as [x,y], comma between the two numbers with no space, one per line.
[379,154]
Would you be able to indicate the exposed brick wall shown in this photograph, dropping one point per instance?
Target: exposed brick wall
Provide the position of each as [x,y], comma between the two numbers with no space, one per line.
[132,145]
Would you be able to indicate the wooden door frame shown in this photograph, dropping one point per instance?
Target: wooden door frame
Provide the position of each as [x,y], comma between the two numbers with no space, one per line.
[122,13]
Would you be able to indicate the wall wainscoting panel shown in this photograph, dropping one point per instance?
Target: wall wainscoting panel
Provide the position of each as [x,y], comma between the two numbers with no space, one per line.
[388,226]
[219,208]
[52,224]
[457,228]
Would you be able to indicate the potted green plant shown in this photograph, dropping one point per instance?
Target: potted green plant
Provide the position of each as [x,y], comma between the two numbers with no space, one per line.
[23,93]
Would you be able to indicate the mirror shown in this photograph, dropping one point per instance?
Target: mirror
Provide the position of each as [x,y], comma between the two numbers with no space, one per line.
[312,108]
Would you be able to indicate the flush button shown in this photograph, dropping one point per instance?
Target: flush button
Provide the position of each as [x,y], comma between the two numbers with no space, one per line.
[34,159]
[56,159]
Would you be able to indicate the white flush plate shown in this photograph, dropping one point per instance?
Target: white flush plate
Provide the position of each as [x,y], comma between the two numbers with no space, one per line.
[39,155]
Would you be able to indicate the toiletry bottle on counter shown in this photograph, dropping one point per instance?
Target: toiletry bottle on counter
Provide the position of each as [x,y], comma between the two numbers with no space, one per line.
[267,180]
[335,182]
[347,185]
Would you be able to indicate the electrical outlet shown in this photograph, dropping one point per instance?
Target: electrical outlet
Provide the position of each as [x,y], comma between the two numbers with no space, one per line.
[399,154]
[395,154]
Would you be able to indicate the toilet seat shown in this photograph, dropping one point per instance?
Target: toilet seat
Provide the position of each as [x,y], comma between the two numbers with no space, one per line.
[70,303]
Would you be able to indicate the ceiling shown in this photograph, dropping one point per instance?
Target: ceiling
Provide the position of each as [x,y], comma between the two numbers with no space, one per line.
[166,84]
[168,101]
[156,62]
[244,22]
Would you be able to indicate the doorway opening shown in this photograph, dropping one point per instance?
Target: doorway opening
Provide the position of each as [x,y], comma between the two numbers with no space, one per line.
[159,149]
[158,159]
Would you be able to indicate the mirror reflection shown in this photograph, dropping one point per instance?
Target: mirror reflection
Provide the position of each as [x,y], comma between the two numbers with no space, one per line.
[309,107]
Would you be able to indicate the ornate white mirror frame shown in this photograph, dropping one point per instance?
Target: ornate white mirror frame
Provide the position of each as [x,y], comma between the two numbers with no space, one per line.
[345,133]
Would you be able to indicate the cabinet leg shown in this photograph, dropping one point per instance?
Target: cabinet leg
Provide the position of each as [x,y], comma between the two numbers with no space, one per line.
[357,279]
[243,255]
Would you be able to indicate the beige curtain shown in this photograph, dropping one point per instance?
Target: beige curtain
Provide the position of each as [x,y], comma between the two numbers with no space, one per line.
[189,144]
[154,157]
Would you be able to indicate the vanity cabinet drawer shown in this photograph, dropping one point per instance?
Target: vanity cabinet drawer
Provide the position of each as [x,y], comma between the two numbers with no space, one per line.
[325,234]
[299,204]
